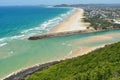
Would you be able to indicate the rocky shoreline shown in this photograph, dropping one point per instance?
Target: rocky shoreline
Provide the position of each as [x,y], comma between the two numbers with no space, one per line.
[39,67]
[28,71]
[66,33]
[59,34]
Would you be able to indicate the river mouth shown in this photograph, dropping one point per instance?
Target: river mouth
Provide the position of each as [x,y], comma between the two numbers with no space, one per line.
[23,53]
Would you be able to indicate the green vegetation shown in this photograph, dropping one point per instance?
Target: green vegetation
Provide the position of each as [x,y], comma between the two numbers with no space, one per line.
[103,17]
[101,23]
[99,15]
[101,64]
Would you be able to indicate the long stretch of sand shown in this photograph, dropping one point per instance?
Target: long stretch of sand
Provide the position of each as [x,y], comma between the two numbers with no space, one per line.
[74,22]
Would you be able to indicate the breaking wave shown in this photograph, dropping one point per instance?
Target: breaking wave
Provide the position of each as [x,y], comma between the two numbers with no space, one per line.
[42,28]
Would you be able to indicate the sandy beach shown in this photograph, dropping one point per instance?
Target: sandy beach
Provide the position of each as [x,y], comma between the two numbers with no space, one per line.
[86,50]
[74,22]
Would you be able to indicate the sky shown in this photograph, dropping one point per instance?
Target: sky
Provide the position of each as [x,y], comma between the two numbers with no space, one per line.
[53,2]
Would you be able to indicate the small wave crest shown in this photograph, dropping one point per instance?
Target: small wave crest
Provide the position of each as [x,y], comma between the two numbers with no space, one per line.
[3,44]
[16,37]
[47,25]
[44,27]
[4,41]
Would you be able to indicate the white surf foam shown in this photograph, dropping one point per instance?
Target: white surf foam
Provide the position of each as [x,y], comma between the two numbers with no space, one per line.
[2,39]
[47,25]
[17,37]
[70,52]
[6,40]
[3,44]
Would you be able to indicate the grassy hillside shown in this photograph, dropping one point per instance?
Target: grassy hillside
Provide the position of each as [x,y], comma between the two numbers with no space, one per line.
[101,64]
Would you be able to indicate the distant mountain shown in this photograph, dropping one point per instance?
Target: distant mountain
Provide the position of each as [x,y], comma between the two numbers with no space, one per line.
[83,5]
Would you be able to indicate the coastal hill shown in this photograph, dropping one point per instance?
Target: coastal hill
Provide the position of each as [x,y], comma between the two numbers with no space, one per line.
[84,5]
[101,64]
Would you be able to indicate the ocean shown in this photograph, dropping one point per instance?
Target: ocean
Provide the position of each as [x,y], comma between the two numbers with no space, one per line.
[18,23]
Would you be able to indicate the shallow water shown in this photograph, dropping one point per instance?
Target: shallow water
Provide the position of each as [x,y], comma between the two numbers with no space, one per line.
[19,22]
[29,19]
[21,53]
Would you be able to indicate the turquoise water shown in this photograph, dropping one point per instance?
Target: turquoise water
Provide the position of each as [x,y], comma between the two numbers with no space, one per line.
[22,22]
[18,54]
[18,23]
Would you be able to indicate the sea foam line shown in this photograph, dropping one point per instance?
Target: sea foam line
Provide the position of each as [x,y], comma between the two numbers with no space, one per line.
[3,44]
[44,27]
[47,25]
[6,40]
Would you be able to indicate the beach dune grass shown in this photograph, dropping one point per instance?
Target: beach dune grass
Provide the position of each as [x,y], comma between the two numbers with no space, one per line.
[101,64]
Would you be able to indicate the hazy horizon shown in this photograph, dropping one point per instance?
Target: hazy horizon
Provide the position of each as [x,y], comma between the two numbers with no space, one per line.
[54,2]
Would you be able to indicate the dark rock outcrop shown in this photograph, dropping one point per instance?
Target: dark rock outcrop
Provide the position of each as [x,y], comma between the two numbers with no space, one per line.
[26,72]
[59,34]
